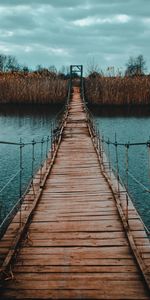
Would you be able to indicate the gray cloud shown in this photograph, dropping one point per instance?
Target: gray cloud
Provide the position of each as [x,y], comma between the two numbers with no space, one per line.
[63,32]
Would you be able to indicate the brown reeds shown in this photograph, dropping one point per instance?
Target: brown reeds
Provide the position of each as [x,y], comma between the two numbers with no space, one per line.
[118,90]
[31,88]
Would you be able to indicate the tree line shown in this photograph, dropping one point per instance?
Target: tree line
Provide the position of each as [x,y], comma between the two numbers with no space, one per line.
[9,63]
[136,66]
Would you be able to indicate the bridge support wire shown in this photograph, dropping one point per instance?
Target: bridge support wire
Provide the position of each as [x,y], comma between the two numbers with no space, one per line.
[101,141]
[125,182]
[44,155]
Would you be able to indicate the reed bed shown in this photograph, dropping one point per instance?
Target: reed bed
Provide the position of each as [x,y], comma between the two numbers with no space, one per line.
[32,88]
[118,90]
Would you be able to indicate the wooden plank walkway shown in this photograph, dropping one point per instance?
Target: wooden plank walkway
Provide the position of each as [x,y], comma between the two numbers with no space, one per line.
[76,247]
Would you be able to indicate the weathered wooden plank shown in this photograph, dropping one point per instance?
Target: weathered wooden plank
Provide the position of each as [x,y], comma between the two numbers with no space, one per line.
[49,261]
[49,242]
[45,217]
[50,278]
[76,252]
[77,235]
[77,269]
[76,226]
[107,287]
[128,293]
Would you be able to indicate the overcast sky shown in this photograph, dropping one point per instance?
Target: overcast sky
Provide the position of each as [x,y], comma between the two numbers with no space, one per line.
[64,32]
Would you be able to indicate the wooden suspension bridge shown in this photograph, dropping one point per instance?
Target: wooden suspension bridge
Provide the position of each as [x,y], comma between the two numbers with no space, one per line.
[75,238]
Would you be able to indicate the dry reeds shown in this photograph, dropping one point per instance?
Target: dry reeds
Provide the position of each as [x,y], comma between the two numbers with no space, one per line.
[118,90]
[31,88]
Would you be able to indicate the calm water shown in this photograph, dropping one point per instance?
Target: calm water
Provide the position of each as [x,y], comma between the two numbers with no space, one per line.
[130,129]
[27,123]
[31,123]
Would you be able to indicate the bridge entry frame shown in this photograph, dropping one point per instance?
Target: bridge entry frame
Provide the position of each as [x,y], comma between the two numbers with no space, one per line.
[74,70]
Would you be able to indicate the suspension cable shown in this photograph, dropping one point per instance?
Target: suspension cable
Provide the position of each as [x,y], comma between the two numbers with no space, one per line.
[10,180]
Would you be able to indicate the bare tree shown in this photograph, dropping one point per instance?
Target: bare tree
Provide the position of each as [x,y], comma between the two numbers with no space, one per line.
[92,67]
[136,66]
[25,69]
[141,64]
[12,63]
[3,59]
[52,69]
[39,68]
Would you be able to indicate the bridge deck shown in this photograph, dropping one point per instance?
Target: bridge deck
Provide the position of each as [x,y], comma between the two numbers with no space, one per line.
[76,246]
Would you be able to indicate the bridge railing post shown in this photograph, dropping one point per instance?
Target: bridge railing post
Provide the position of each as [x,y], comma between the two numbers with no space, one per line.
[102,149]
[109,160]
[51,140]
[20,179]
[41,165]
[32,167]
[117,164]
[46,155]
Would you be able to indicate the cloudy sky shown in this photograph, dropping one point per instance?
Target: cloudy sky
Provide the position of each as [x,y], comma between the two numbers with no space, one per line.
[64,32]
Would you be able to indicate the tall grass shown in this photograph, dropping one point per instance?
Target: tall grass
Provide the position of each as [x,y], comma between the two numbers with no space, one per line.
[118,90]
[31,88]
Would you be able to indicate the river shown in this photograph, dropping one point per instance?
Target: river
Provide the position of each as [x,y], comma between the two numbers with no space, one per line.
[34,122]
